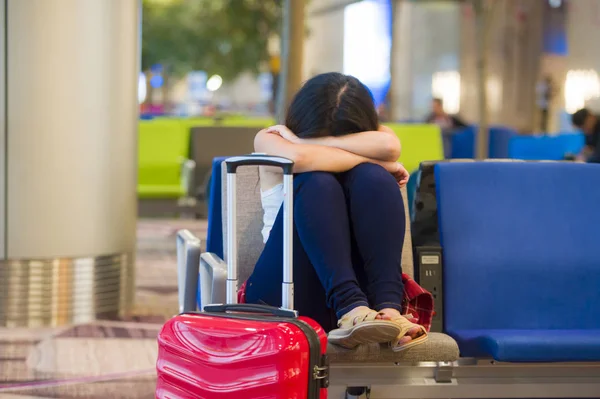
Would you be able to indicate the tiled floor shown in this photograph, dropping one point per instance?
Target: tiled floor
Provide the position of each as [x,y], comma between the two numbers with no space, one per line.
[105,359]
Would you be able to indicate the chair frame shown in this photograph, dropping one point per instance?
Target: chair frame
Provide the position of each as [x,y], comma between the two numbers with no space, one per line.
[468,378]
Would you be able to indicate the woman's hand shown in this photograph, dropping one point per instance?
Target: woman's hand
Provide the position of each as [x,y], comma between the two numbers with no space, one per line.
[401,174]
[385,129]
[284,132]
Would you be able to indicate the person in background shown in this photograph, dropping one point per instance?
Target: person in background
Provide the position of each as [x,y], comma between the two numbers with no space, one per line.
[439,117]
[545,93]
[590,126]
[447,123]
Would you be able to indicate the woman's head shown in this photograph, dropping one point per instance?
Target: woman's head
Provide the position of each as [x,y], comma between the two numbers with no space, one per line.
[331,104]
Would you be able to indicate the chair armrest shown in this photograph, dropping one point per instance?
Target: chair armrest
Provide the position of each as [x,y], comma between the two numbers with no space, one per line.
[213,280]
[203,190]
[188,168]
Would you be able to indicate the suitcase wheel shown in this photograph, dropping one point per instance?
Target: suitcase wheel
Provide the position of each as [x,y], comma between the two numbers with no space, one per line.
[357,392]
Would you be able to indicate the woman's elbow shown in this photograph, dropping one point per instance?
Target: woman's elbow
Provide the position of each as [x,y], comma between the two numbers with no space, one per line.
[393,148]
[274,145]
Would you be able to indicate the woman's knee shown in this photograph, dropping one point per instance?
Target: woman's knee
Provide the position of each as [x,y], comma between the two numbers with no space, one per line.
[321,183]
[371,177]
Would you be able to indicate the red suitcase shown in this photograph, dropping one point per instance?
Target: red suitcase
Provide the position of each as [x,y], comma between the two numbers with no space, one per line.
[238,351]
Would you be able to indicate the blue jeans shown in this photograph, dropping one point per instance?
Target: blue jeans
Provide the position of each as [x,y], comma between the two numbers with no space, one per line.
[348,238]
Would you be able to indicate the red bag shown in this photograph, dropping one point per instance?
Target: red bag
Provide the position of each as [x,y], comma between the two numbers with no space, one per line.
[238,351]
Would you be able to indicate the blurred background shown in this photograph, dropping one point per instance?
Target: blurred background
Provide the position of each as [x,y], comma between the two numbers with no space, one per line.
[116,113]
[406,52]
[522,65]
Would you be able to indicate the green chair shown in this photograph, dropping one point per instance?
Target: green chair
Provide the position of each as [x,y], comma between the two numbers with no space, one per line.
[211,142]
[247,122]
[419,143]
[165,174]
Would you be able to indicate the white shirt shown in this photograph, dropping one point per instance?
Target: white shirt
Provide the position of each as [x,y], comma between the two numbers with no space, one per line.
[271,202]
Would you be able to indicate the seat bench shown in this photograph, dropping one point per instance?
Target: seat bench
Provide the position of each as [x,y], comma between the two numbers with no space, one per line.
[438,348]
[521,262]
[530,345]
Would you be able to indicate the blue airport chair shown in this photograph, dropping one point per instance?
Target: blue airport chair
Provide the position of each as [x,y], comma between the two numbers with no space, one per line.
[214,241]
[500,137]
[463,142]
[572,143]
[521,260]
[552,148]
[411,189]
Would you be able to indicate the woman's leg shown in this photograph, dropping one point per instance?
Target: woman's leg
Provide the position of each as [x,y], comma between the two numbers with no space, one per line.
[264,286]
[377,217]
[378,220]
[323,270]
[323,275]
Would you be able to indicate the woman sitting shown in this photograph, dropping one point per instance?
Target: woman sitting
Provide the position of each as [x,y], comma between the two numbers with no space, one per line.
[348,212]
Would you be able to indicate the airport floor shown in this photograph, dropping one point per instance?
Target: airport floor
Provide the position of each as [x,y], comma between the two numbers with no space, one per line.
[103,359]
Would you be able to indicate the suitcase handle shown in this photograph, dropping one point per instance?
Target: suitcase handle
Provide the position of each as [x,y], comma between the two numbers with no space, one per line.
[250,308]
[287,286]
[260,159]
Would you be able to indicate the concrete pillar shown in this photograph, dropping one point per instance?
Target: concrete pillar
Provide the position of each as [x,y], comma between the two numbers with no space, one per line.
[514,53]
[67,159]
[324,44]
[429,42]
[400,60]
[292,54]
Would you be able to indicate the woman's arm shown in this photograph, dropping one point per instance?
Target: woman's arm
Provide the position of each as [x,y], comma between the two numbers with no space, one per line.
[313,157]
[382,145]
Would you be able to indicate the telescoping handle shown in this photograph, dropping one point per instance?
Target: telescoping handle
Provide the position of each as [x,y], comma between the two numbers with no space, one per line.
[287,294]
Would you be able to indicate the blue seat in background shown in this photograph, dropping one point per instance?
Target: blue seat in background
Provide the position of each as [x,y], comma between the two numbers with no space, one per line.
[500,137]
[411,190]
[214,241]
[463,142]
[572,143]
[521,259]
[553,148]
